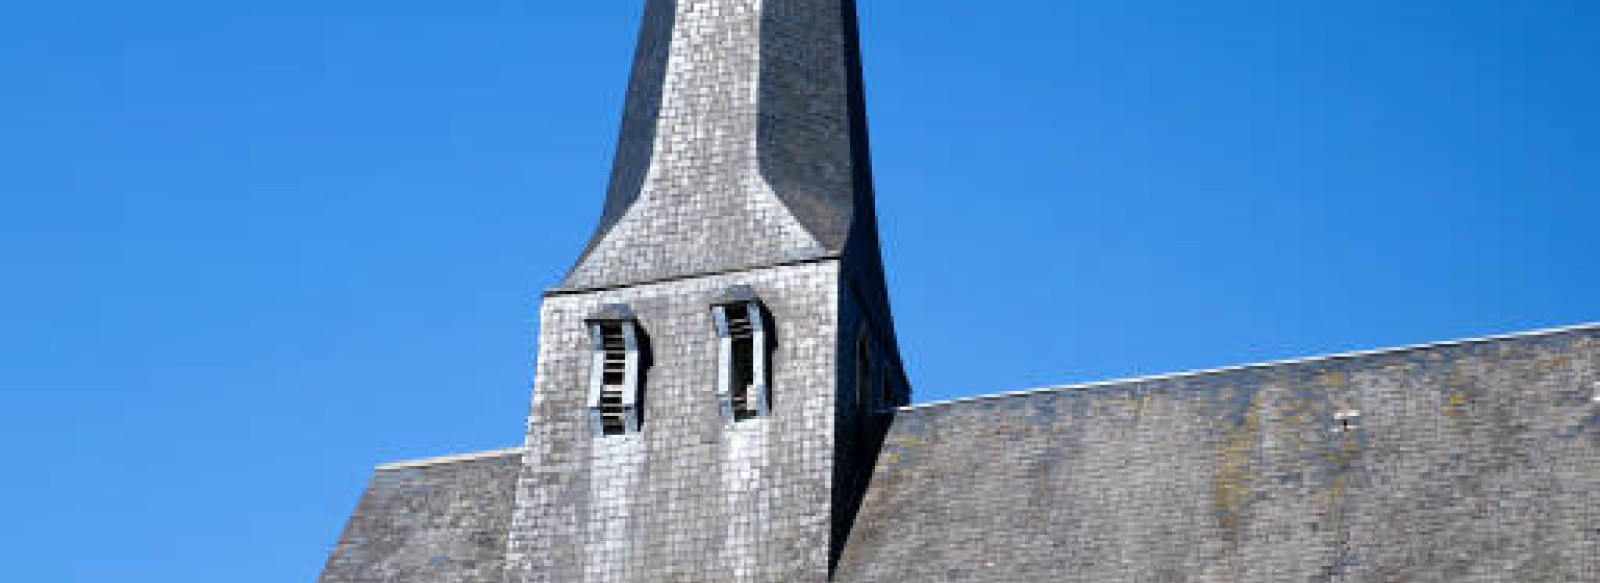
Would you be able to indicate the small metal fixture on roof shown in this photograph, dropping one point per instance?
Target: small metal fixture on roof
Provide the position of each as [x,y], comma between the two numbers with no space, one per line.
[1345,420]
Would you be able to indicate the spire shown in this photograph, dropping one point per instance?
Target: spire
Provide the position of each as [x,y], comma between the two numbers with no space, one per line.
[743,144]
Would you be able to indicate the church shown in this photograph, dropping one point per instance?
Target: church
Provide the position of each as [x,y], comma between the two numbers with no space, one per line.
[720,398]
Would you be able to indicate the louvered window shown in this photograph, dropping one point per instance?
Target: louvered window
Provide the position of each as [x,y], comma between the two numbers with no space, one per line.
[614,375]
[742,371]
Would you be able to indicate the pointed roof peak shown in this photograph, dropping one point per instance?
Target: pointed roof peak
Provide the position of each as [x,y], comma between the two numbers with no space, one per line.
[743,143]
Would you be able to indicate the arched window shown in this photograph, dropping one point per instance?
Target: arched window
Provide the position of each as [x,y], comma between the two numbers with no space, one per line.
[614,374]
[742,365]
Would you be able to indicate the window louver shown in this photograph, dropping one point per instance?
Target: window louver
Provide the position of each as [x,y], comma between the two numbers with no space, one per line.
[742,379]
[614,373]
[614,378]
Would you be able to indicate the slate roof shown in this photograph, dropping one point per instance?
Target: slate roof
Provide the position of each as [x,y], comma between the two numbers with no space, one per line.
[434,521]
[734,153]
[1476,460]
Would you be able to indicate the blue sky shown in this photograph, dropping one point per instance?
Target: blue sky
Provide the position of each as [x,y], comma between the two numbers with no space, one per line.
[252,248]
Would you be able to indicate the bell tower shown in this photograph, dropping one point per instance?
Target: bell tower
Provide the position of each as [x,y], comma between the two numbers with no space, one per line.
[716,371]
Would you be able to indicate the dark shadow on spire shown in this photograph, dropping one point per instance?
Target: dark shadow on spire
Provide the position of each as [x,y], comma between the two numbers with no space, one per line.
[856,462]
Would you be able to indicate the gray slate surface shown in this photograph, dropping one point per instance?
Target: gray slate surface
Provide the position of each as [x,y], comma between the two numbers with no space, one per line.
[438,523]
[1477,462]
[743,144]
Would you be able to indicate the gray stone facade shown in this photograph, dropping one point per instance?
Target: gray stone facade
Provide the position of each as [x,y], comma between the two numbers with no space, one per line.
[691,494]
[742,172]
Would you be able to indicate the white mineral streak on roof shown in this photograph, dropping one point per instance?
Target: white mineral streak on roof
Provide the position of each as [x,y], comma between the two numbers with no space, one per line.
[451,459]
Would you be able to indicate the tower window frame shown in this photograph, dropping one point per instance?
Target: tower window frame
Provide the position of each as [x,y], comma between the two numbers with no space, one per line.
[744,390]
[615,375]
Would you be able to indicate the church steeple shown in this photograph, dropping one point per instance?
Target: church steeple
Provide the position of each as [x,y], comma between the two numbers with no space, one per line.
[743,144]
[717,370]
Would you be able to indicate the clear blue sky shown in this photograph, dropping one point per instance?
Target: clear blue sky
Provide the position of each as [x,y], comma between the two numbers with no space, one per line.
[253,247]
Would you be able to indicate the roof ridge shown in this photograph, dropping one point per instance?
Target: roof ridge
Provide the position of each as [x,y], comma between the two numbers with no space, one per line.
[450,459]
[1259,365]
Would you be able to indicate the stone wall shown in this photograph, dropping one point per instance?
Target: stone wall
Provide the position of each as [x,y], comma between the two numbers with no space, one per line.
[1474,462]
[689,499]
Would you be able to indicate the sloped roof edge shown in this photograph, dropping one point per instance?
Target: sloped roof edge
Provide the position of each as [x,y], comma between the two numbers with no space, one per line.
[451,459]
[1259,365]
